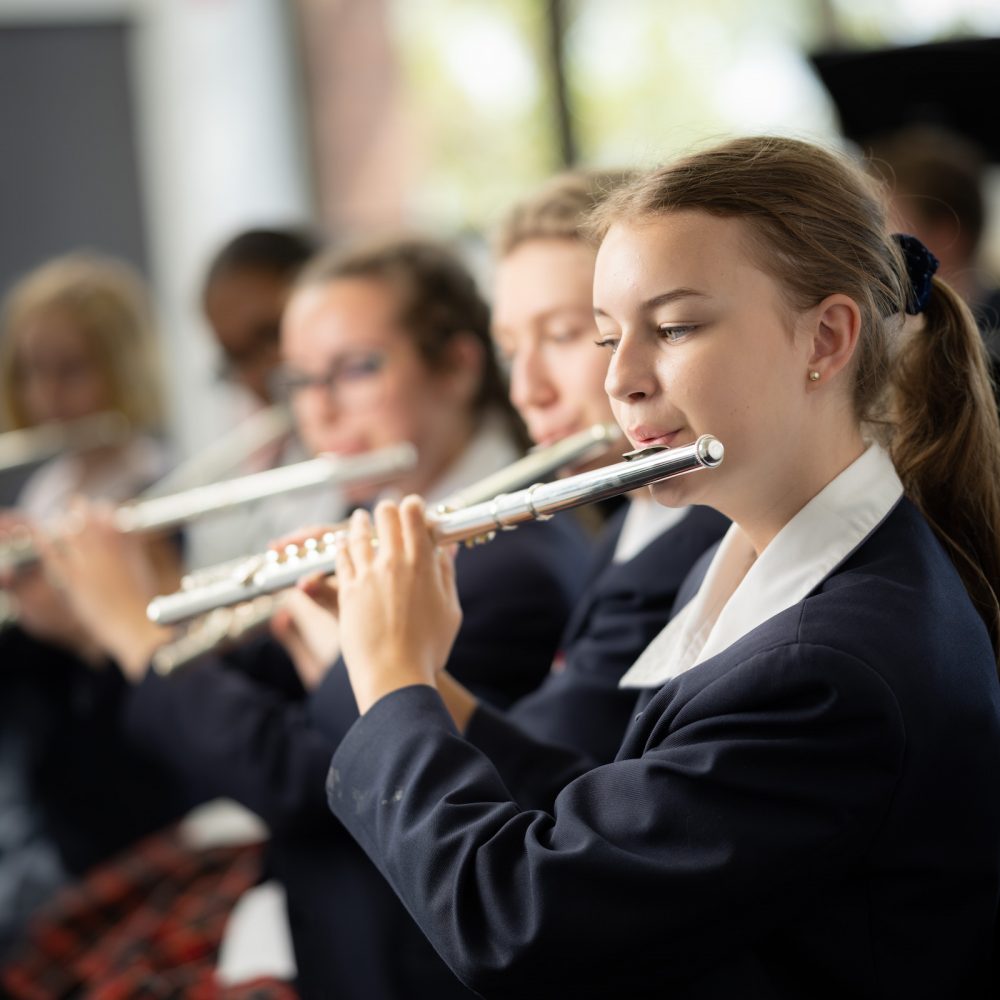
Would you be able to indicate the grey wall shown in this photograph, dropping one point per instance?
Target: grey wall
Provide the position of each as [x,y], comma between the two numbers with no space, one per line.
[68,169]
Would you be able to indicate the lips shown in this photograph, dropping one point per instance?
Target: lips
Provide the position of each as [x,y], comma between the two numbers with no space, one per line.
[346,448]
[648,437]
[547,437]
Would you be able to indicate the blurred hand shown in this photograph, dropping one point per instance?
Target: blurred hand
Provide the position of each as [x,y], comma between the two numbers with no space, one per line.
[40,607]
[108,580]
[310,634]
[322,589]
[399,612]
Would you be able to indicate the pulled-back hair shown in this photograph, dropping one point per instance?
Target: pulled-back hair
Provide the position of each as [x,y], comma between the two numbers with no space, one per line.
[437,299]
[280,252]
[108,302]
[818,226]
[558,209]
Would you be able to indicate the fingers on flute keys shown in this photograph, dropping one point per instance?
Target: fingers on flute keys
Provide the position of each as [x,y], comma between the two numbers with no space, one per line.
[416,539]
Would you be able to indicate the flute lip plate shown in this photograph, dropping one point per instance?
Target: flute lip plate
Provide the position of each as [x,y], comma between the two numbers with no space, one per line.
[631,456]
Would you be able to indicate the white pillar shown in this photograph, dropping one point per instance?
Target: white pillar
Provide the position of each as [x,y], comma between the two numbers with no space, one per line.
[221,149]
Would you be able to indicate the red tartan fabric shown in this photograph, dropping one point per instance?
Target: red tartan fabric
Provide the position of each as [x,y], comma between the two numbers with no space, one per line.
[145,925]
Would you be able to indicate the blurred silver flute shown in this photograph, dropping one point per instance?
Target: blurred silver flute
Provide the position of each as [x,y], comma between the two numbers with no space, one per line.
[230,623]
[33,444]
[381,465]
[225,454]
[275,571]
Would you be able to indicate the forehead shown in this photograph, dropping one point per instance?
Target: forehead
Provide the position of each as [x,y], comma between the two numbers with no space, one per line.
[541,274]
[682,246]
[342,315]
[52,330]
[240,288]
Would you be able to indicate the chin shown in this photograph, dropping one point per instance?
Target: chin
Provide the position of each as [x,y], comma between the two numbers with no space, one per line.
[674,492]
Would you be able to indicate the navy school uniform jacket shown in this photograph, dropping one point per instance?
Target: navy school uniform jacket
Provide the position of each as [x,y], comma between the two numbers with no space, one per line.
[814,812]
[94,789]
[246,733]
[581,707]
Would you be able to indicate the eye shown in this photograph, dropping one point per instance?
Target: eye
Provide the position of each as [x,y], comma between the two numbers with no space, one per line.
[611,343]
[563,335]
[361,367]
[674,332]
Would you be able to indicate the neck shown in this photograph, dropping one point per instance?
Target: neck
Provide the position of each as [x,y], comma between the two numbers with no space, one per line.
[440,455]
[794,478]
[94,460]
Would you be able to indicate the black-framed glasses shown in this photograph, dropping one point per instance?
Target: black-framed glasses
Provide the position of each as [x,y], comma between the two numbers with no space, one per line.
[348,375]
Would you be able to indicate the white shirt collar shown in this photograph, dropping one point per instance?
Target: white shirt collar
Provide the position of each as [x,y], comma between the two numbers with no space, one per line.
[740,592]
[644,520]
[490,449]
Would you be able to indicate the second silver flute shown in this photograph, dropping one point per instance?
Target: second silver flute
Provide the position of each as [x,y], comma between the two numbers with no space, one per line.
[17,547]
[503,512]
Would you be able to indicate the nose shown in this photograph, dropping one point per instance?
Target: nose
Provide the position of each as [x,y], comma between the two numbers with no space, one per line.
[531,386]
[315,407]
[631,375]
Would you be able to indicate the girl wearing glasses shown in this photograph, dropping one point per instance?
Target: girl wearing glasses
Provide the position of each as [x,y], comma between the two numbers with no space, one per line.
[380,345]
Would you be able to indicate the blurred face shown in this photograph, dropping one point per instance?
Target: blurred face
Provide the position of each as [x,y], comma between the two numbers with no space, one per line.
[543,324]
[357,379]
[244,308]
[60,377]
[701,343]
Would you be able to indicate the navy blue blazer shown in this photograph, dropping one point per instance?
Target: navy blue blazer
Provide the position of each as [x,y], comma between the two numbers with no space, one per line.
[580,707]
[94,789]
[814,812]
[240,729]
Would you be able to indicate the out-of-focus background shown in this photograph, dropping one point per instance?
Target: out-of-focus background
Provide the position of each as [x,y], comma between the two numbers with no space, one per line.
[155,129]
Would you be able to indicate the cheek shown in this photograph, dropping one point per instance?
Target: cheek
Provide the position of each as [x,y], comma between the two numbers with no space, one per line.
[591,370]
[97,392]
[579,377]
[314,419]
[405,408]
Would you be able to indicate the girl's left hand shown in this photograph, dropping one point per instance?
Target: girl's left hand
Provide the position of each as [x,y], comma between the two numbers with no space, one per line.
[399,612]
[108,580]
[310,635]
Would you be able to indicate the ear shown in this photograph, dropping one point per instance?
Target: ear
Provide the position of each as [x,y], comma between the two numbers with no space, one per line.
[464,362]
[834,334]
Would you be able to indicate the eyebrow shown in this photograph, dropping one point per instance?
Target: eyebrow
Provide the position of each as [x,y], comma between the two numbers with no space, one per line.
[664,298]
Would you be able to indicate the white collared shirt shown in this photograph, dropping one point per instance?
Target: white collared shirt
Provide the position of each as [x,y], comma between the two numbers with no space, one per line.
[741,591]
[490,449]
[644,520]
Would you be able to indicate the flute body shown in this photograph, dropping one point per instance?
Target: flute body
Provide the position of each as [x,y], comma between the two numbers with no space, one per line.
[275,571]
[33,444]
[373,467]
[229,623]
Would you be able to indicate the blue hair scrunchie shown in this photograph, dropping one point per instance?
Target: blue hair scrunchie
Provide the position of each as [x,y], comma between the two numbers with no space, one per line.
[920,266]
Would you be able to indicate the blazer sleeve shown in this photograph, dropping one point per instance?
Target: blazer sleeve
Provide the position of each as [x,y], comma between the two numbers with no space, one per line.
[723,814]
[228,734]
[578,716]
[580,707]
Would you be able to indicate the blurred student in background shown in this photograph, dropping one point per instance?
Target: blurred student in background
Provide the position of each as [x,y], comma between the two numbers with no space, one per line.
[76,341]
[247,283]
[936,179]
[380,345]
[543,324]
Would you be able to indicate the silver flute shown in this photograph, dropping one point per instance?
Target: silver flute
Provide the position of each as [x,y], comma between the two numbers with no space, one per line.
[229,623]
[372,467]
[33,444]
[275,571]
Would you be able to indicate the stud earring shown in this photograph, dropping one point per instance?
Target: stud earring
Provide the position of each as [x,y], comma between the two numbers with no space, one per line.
[814,376]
